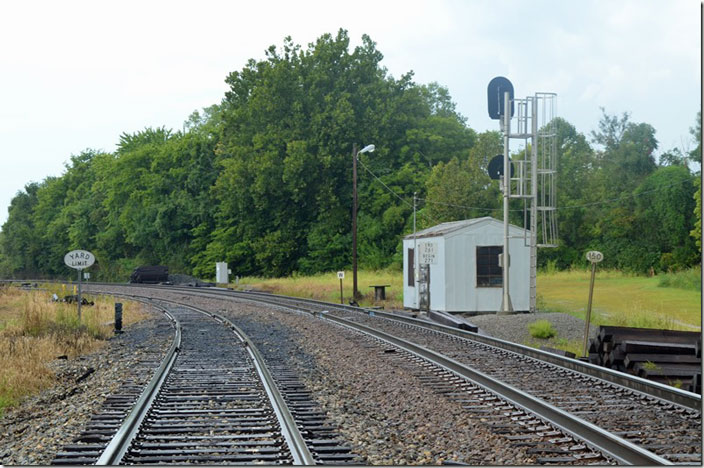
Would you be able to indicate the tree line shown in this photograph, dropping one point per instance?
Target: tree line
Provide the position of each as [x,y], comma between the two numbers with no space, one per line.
[263,180]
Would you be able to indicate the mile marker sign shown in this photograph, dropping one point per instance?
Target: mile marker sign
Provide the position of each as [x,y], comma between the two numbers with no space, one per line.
[595,256]
[79,259]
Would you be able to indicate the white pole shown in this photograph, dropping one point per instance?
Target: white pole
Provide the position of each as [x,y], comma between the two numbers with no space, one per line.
[415,254]
[506,307]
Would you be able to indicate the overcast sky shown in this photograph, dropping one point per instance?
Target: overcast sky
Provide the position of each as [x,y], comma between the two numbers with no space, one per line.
[75,75]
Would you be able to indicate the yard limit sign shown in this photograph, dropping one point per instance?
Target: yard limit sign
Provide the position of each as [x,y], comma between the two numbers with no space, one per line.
[79,260]
[595,257]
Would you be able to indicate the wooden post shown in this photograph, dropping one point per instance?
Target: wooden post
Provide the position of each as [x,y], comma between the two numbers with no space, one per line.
[80,273]
[595,257]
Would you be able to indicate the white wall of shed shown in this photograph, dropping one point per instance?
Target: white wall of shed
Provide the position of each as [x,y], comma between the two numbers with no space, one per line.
[437,275]
[462,293]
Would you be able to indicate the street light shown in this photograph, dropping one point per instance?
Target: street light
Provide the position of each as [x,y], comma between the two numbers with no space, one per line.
[355,155]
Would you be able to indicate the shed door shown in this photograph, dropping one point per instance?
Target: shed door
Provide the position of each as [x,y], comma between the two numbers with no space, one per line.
[424,287]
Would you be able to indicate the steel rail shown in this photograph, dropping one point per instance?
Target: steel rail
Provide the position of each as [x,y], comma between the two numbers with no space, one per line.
[116,449]
[599,439]
[611,445]
[295,440]
[603,441]
[289,429]
[631,382]
[650,388]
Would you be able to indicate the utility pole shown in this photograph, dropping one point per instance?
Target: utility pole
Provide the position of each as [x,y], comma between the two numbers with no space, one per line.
[355,155]
[355,292]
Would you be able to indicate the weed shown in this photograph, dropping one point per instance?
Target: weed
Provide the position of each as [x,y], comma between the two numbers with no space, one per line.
[651,366]
[574,346]
[550,267]
[542,329]
[677,383]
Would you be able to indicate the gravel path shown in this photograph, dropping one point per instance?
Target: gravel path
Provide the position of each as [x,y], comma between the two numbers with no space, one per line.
[33,432]
[514,328]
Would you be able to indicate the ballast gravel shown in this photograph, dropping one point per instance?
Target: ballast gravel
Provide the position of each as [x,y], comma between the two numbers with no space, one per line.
[515,328]
[33,432]
[383,411]
[381,408]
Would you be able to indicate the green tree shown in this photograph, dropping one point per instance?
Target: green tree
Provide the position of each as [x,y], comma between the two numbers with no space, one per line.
[284,191]
[664,217]
[19,244]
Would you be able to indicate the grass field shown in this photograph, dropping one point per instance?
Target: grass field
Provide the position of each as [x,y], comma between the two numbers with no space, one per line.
[619,299]
[326,287]
[35,331]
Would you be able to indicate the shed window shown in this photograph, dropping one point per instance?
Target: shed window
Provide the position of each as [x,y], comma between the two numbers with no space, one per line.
[411,268]
[489,272]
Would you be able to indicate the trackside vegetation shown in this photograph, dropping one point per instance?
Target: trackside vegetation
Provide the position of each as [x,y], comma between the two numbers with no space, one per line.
[542,329]
[620,299]
[262,180]
[34,331]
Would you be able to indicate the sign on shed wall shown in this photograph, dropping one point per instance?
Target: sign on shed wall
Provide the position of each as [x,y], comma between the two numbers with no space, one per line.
[427,253]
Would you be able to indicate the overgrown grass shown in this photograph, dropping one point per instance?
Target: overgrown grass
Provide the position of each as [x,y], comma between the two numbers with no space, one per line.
[326,287]
[689,280]
[34,331]
[620,299]
[542,329]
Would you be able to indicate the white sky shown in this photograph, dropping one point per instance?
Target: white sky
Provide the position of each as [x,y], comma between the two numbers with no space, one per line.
[75,75]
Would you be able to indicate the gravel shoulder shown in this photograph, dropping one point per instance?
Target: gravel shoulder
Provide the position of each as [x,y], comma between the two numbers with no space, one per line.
[514,328]
[382,409]
[33,432]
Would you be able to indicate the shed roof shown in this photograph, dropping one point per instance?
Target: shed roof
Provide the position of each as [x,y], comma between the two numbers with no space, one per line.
[443,229]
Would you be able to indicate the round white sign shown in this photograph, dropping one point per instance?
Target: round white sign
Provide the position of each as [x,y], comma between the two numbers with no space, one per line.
[595,256]
[79,259]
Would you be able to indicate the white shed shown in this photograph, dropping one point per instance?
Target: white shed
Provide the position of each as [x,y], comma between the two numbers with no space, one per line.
[462,259]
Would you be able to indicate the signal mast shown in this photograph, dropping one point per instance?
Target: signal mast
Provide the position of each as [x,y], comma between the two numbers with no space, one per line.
[531,174]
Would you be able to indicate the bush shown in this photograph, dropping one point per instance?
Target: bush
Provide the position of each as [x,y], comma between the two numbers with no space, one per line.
[687,279]
[542,329]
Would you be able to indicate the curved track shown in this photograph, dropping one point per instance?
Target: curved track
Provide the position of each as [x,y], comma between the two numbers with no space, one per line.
[622,412]
[213,400]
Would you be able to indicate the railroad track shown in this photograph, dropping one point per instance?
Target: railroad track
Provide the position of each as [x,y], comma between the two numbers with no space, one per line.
[629,425]
[213,400]
[678,439]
